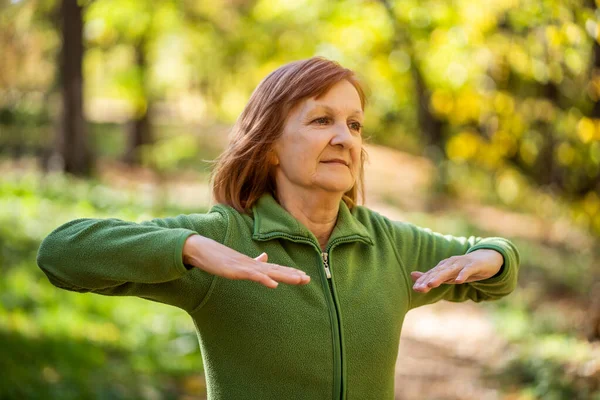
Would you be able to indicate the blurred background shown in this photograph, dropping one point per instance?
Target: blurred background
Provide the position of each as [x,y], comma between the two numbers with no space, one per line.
[483,119]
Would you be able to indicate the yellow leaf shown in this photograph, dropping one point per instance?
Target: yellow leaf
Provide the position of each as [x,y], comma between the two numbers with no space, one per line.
[585,129]
[565,154]
[463,146]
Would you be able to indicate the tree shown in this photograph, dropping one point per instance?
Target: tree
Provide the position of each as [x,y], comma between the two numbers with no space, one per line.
[72,139]
[140,127]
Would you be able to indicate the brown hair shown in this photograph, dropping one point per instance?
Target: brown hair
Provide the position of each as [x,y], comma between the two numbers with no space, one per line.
[242,172]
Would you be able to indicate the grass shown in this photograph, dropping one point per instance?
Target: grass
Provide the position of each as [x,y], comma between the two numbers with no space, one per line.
[56,344]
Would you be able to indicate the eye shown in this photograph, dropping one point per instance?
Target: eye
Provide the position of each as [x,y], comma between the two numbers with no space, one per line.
[356,126]
[321,120]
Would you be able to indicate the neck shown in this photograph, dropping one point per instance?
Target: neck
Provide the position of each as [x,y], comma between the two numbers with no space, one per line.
[316,210]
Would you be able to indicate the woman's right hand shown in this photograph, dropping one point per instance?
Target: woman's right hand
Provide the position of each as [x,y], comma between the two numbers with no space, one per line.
[218,259]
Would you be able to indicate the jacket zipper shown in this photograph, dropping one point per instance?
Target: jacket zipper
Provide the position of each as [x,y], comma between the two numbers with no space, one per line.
[341,394]
[326,264]
[338,381]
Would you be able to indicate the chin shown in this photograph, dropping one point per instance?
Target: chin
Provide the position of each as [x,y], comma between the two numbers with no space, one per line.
[338,182]
[336,186]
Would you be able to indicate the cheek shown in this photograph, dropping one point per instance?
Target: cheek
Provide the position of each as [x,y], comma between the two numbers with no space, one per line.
[357,152]
[307,148]
[295,157]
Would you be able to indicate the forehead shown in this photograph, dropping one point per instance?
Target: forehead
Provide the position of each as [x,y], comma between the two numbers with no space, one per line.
[340,98]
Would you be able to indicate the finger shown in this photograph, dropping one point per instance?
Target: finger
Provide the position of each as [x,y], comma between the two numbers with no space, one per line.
[414,275]
[447,273]
[442,265]
[464,274]
[286,275]
[283,268]
[446,262]
[450,280]
[294,279]
[429,284]
[263,257]
[436,276]
[440,277]
[282,273]
[259,277]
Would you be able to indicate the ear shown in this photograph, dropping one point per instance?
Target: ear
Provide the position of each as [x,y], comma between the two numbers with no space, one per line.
[273,159]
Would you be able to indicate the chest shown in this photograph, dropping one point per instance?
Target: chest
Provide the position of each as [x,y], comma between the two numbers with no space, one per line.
[363,302]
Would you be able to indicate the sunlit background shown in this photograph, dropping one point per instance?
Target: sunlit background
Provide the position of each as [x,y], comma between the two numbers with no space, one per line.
[483,118]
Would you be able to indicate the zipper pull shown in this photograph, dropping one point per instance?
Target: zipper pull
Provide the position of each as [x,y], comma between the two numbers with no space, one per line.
[326,264]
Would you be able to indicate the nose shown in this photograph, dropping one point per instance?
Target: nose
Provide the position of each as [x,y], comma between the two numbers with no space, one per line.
[342,136]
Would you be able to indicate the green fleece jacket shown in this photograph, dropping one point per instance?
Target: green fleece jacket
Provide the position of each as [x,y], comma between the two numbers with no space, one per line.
[334,338]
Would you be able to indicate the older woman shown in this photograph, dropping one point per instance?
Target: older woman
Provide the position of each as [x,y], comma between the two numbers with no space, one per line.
[286,189]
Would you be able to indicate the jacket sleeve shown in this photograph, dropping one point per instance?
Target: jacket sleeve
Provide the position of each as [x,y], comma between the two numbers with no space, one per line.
[119,258]
[420,249]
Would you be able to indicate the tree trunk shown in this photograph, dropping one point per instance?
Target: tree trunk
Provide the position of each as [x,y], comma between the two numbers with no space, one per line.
[431,126]
[72,141]
[140,128]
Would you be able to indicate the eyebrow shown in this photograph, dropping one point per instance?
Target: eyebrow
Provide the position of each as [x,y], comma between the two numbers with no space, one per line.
[331,110]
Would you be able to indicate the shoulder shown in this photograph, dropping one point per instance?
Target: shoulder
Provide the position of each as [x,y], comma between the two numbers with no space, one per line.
[396,230]
[232,219]
[230,214]
[218,222]
[377,223]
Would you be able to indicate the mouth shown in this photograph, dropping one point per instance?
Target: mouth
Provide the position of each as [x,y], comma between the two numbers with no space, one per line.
[335,161]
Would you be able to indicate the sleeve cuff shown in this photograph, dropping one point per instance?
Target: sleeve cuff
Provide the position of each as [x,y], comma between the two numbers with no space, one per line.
[179,266]
[503,275]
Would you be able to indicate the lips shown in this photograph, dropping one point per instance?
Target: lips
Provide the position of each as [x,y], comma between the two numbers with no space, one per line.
[337,161]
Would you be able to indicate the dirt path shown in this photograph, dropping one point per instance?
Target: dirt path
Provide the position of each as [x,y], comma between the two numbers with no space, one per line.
[444,350]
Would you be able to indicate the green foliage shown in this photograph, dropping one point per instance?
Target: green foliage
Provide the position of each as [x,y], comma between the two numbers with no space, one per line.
[65,345]
[511,84]
[554,367]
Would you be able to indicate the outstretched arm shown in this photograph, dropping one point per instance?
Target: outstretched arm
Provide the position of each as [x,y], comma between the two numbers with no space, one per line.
[436,260]
[172,260]
[120,258]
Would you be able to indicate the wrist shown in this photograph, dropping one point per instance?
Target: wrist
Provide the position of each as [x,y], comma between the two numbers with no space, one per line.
[189,248]
[497,259]
[195,250]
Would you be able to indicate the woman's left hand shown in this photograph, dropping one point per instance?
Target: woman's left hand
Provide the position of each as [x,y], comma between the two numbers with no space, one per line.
[475,266]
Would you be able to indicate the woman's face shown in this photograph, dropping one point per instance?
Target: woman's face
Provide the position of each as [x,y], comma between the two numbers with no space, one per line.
[320,146]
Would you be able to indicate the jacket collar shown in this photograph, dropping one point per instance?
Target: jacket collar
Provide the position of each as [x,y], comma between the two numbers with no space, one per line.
[271,221]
